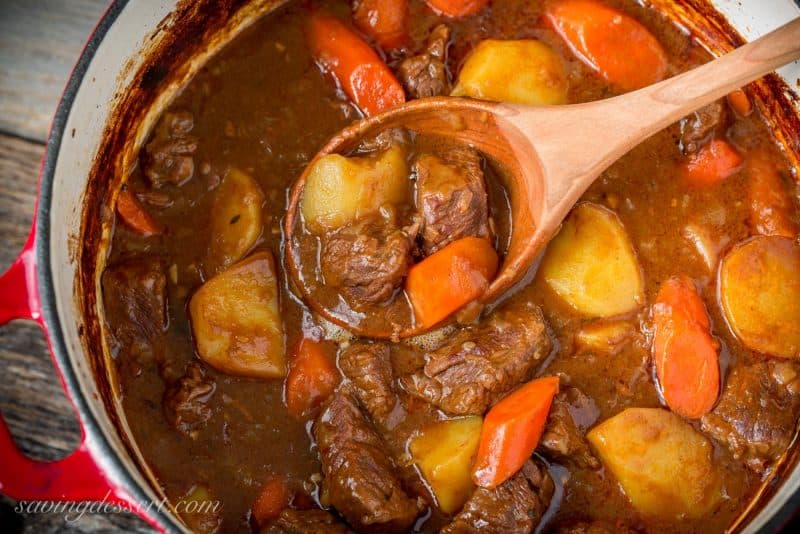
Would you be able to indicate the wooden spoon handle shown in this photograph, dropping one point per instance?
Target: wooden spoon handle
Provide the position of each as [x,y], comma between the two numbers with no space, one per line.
[672,99]
[576,143]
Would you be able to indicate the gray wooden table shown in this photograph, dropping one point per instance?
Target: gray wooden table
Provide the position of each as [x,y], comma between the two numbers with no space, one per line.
[40,41]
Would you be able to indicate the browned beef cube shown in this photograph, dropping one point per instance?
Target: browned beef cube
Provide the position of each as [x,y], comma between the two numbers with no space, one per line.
[425,74]
[368,259]
[757,412]
[169,156]
[451,197]
[359,477]
[369,371]
[186,401]
[384,140]
[479,365]
[571,414]
[516,505]
[135,299]
[314,521]
[700,126]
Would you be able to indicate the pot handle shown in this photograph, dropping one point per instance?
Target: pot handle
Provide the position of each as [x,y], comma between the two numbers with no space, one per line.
[77,477]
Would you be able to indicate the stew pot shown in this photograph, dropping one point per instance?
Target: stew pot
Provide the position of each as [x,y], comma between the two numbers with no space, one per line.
[138,57]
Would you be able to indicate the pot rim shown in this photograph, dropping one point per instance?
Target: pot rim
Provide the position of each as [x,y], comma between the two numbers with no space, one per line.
[100,446]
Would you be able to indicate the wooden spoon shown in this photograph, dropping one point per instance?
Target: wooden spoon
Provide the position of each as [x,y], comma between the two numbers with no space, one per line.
[550,155]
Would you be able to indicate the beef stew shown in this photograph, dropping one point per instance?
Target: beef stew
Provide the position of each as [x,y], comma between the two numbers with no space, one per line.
[629,383]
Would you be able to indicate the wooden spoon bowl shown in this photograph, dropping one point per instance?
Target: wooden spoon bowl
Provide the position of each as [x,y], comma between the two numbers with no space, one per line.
[548,155]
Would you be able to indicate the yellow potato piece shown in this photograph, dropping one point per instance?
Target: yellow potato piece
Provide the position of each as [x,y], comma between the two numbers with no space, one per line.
[604,337]
[664,465]
[591,264]
[759,289]
[201,511]
[236,321]
[520,72]
[236,220]
[444,453]
[339,189]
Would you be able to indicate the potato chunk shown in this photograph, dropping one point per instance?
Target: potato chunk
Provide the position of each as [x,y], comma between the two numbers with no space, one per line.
[201,512]
[591,264]
[236,220]
[236,321]
[521,72]
[759,289]
[604,337]
[339,189]
[444,453]
[663,464]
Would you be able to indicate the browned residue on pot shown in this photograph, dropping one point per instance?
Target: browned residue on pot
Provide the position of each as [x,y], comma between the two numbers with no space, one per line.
[172,52]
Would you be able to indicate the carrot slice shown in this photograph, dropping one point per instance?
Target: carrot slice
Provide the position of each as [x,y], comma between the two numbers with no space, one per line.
[450,278]
[357,68]
[686,356]
[769,201]
[511,431]
[740,103]
[312,377]
[272,499]
[456,8]
[386,21]
[135,216]
[711,164]
[608,41]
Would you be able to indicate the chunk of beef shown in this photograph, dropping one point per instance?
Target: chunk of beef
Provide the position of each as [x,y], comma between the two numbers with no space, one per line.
[516,505]
[186,401]
[169,156]
[135,298]
[480,364]
[314,521]
[571,414]
[359,477]
[369,371]
[699,126]
[757,412]
[451,197]
[368,259]
[425,74]
[384,140]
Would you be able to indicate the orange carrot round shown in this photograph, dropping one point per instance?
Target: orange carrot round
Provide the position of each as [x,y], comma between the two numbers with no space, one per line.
[608,41]
[456,8]
[273,498]
[357,68]
[685,354]
[769,200]
[312,377]
[386,21]
[450,278]
[711,164]
[740,103]
[511,431]
[134,215]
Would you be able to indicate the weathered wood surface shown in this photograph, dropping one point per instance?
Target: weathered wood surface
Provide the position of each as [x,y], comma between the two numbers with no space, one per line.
[40,40]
